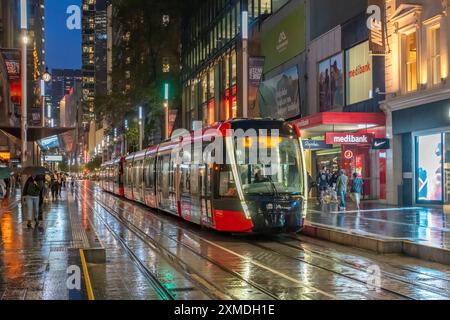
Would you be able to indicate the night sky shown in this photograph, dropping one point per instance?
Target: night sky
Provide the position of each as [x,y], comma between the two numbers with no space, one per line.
[63,46]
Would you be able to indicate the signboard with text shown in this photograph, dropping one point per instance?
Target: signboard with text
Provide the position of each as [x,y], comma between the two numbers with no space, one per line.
[359,73]
[11,58]
[344,138]
[316,145]
[53,158]
[280,96]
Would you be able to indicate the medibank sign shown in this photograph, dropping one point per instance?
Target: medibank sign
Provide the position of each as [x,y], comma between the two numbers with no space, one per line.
[348,138]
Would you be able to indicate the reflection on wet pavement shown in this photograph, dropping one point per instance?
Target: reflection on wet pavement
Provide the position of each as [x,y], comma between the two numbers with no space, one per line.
[279,269]
[157,256]
[428,226]
[34,262]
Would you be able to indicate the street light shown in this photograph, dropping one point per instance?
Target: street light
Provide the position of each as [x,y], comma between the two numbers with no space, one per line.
[141,127]
[245,64]
[166,109]
[23,117]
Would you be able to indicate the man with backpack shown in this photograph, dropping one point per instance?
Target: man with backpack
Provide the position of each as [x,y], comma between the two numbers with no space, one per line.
[323,181]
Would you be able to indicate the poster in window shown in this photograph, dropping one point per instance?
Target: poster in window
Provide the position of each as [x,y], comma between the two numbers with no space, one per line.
[429,168]
[331,83]
[279,96]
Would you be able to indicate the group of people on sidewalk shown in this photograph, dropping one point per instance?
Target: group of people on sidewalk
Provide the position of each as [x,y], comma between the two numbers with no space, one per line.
[36,190]
[336,185]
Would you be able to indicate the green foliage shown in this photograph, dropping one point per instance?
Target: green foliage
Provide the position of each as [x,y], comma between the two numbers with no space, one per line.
[95,163]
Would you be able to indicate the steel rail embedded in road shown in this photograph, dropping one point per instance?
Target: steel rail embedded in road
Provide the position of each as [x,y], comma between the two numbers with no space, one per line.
[258,264]
[162,291]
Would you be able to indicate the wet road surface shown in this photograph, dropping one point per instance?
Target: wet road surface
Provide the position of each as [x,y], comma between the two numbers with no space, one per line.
[34,262]
[427,226]
[156,256]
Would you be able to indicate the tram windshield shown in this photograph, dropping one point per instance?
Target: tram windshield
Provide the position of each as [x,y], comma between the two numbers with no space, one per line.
[284,175]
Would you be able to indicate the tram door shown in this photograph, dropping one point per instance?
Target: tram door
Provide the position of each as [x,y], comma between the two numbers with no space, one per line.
[205,194]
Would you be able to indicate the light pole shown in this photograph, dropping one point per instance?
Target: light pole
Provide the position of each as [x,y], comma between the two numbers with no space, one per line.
[141,128]
[166,109]
[46,78]
[23,117]
[125,142]
[245,64]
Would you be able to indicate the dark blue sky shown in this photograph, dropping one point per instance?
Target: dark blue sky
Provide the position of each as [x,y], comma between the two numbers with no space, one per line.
[63,46]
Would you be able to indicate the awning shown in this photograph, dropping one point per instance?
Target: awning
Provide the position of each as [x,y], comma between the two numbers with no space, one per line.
[34,133]
[341,121]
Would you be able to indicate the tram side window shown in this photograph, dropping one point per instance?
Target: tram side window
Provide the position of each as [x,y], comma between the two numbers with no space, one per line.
[148,173]
[185,179]
[227,185]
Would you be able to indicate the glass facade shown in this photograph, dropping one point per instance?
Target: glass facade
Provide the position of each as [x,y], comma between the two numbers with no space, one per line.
[209,58]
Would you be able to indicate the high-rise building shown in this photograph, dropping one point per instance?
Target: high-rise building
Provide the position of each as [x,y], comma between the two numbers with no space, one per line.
[63,80]
[88,58]
[100,48]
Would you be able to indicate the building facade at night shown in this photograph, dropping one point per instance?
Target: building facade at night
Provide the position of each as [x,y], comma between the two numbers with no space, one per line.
[63,80]
[417,102]
[318,70]
[212,58]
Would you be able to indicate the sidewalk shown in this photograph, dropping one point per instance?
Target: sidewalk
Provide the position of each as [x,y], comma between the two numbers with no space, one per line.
[34,262]
[421,226]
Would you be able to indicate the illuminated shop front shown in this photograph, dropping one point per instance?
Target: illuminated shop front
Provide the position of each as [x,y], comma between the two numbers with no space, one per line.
[424,133]
[354,141]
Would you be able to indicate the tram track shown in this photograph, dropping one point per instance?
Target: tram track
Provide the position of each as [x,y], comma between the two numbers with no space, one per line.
[438,292]
[159,287]
[236,274]
[405,268]
[197,278]
[259,264]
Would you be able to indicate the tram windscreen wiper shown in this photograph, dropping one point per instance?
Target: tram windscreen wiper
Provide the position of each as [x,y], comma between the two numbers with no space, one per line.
[273,185]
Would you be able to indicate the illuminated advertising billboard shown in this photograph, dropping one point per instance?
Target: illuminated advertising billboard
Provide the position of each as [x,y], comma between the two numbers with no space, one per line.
[359,86]
[429,167]
[331,83]
[279,96]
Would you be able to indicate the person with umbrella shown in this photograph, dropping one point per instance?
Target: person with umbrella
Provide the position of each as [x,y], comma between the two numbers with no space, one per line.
[30,195]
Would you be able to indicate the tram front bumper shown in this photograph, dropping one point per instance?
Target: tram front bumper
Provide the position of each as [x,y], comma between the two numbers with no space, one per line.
[276,217]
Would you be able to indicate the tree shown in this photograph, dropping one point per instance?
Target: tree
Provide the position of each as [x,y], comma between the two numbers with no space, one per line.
[95,163]
[138,75]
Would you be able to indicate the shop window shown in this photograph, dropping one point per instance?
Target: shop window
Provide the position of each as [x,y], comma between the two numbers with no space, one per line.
[227,71]
[435,55]
[429,155]
[211,82]
[266,6]
[211,112]
[233,102]
[233,68]
[204,87]
[233,22]
[238,17]
[411,61]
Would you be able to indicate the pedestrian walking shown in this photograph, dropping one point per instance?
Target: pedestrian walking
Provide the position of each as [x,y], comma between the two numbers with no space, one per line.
[30,196]
[322,184]
[341,186]
[333,183]
[54,189]
[357,189]
[59,185]
[41,184]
